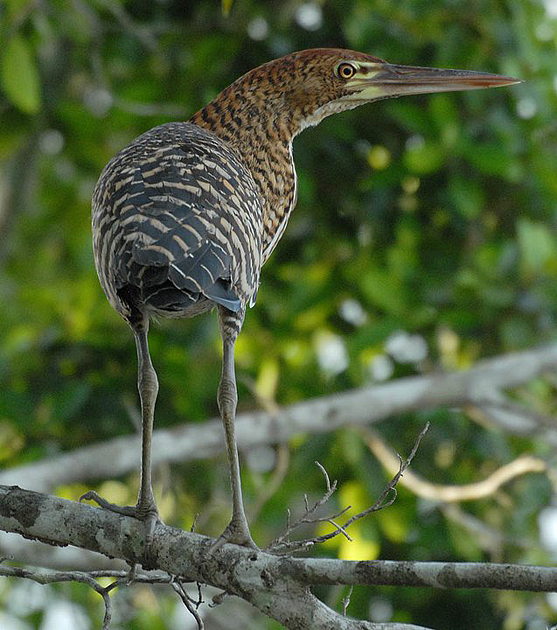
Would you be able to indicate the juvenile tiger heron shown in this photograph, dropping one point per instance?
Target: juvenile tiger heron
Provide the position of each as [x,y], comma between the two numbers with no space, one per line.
[185,216]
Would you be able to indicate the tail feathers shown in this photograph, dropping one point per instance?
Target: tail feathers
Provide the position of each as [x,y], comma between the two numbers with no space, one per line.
[223,294]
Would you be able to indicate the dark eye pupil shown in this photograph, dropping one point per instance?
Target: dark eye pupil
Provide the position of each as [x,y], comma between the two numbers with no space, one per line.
[346,71]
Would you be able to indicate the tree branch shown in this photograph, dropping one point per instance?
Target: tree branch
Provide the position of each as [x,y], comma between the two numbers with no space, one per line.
[451,494]
[278,586]
[358,407]
[271,584]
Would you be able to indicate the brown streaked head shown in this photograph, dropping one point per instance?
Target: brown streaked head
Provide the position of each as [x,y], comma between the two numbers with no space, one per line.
[302,88]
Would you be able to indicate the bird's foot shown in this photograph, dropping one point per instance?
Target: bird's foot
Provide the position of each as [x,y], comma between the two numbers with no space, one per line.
[147,513]
[236,532]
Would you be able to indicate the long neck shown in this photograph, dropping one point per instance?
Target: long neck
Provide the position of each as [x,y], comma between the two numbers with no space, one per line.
[260,126]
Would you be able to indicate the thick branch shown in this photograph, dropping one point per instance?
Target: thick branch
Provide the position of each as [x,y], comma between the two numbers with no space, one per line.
[358,407]
[277,589]
[278,586]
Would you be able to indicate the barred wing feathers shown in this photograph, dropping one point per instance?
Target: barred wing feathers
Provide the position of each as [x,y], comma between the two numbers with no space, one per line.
[178,222]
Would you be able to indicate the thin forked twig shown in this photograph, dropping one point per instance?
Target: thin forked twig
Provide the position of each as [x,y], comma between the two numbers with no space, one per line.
[346,601]
[387,497]
[66,576]
[188,602]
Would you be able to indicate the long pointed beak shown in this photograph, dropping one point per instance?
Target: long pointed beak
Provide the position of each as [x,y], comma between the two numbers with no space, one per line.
[390,80]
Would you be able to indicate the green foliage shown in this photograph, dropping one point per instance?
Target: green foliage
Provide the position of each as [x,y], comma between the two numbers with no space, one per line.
[432,215]
[20,77]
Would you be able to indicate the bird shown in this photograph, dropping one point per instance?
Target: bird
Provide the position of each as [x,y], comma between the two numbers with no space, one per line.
[185,216]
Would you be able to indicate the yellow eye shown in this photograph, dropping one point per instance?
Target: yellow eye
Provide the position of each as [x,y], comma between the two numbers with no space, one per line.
[346,70]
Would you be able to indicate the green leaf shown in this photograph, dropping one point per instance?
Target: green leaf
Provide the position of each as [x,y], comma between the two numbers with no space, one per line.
[537,245]
[19,76]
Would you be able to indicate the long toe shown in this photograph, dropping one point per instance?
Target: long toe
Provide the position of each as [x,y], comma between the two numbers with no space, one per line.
[143,512]
[126,510]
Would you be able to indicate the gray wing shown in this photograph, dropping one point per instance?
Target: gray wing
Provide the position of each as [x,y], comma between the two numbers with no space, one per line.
[186,223]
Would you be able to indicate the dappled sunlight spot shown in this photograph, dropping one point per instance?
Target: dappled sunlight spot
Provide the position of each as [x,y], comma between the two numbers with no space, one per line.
[98,100]
[410,184]
[359,548]
[526,107]
[406,348]
[26,598]
[267,379]
[381,367]
[538,246]
[550,8]
[309,16]
[393,523]
[258,28]
[312,318]
[547,524]
[331,352]
[353,312]
[379,157]
[63,615]
[353,493]
[20,338]
[10,622]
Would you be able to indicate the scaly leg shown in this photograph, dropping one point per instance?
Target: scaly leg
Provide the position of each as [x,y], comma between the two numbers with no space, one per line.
[237,531]
[147,382]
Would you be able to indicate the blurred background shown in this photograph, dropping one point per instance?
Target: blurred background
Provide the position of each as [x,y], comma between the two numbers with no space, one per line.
[423,240]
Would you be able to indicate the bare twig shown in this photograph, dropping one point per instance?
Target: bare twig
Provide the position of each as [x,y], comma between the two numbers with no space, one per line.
[282,542]
[346,600]
[385,499]
[65,576]
[121,579]
[194,523]
[190,604]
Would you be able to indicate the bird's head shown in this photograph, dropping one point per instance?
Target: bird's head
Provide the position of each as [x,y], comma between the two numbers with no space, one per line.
[309,85]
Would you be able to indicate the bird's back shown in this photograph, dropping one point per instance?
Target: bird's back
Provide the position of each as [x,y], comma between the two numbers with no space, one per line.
[177,223]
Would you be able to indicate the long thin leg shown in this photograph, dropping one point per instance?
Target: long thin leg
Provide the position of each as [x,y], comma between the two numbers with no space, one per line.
[148,385]
[237,530]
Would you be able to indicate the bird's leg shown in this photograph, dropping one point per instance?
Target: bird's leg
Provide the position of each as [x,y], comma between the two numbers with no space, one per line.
[237,531]
[147,382]
[148,385]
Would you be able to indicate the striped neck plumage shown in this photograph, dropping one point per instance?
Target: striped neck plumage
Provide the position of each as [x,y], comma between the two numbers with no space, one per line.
[260,128]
